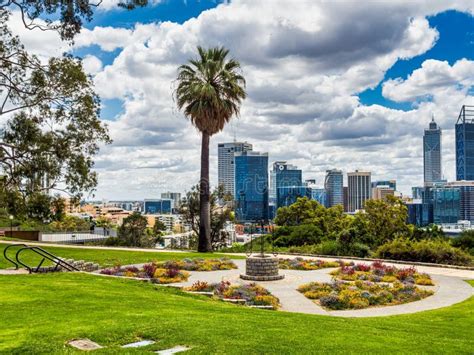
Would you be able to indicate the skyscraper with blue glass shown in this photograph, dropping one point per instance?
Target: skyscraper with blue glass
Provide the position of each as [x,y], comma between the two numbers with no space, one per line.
[251,186]
[283,175]
[333,184]
[225,163]
[446,205]
[432,153]
[464,131]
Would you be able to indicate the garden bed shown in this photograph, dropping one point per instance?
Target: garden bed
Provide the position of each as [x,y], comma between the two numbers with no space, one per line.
[149,272]
[198,264]
[340,295]
[308,264]
[249,294]
[378,272]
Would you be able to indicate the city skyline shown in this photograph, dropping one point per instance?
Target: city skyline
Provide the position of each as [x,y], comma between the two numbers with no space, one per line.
[320,110]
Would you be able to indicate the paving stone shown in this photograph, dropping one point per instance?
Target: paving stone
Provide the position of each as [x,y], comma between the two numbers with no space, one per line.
[176,349]
[139,344]
[84,344]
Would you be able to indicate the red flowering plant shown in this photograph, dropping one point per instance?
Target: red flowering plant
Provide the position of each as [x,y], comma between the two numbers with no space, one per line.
[149,269]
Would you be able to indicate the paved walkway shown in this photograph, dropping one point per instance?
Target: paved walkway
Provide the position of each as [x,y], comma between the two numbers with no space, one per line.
[448,291]
[13,272]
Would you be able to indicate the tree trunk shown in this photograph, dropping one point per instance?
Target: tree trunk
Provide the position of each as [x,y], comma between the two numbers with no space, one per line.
[204,244]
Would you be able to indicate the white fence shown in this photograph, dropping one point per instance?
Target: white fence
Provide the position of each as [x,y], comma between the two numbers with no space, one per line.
[71,237]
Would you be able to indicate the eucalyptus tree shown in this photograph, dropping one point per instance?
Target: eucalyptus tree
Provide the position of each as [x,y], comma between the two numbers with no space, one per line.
[50,129]
[210,90]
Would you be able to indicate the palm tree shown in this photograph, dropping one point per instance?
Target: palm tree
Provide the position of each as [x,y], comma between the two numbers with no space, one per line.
[210,91]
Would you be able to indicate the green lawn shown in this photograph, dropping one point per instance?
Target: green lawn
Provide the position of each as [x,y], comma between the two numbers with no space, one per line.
[40,313]
[103,257]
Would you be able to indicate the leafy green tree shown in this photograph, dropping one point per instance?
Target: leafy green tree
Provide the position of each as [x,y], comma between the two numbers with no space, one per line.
[210,91]
[70,224]
[39,207]
[132,230]
[305,211]
[384,220]
[159,227]
[465,241]
[54,130]
[66,17]
[431,231]
[58,208]
[220,215]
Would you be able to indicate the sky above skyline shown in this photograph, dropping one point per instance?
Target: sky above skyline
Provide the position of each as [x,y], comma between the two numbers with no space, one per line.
[345,85]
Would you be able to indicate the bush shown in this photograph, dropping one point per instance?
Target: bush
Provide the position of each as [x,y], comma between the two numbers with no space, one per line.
[465,241]
[430,251]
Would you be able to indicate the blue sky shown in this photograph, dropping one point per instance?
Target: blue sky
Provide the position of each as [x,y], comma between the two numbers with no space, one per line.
[456,41]
[347,85]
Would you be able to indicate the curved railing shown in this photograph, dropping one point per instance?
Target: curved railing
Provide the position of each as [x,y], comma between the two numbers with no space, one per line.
[46,255]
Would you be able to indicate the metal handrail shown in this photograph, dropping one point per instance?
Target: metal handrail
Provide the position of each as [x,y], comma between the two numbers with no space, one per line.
[45,254]
[10,260]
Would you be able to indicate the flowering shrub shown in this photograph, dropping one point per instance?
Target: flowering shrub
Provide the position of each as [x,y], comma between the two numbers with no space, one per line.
[379,272]
[200,286]
[149,271]
[307,264]
[361,294]
[198,264]
[253,294]
[167,276]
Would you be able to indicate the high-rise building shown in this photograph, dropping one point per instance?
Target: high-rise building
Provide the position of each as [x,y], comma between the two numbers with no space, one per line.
[464,131]
[251,186]
[333,184]
[158,206]
[359,189]
[345,198]
[390,183]
[446,205]
[382,191]
[415,212]
[225,162]
[319,194]
[466,194]
[175,196]
[287,195]
[432,153]
[282,175]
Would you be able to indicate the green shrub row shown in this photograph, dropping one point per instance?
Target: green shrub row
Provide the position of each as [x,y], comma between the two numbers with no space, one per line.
[428,250]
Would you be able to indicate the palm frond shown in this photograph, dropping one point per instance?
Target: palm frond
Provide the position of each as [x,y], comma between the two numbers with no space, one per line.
[210,89]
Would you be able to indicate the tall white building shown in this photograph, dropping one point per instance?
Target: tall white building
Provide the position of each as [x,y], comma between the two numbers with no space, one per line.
[225,159]
[359,189]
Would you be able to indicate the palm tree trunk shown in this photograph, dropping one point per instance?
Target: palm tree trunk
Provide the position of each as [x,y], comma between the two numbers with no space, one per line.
[204,244]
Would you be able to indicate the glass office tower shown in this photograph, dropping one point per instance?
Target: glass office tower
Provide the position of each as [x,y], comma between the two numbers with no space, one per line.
[446,205]
[333,184]
[287,195]
[282,175]
[432,153]
[464,130]
[319,195]
[225,163]
[251,186]
[159,206]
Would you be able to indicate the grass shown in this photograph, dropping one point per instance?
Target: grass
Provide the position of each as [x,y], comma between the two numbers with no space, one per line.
[103,257]
[40,313]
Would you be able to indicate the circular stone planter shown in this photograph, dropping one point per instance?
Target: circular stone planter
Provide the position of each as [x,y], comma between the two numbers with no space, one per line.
[261,268]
